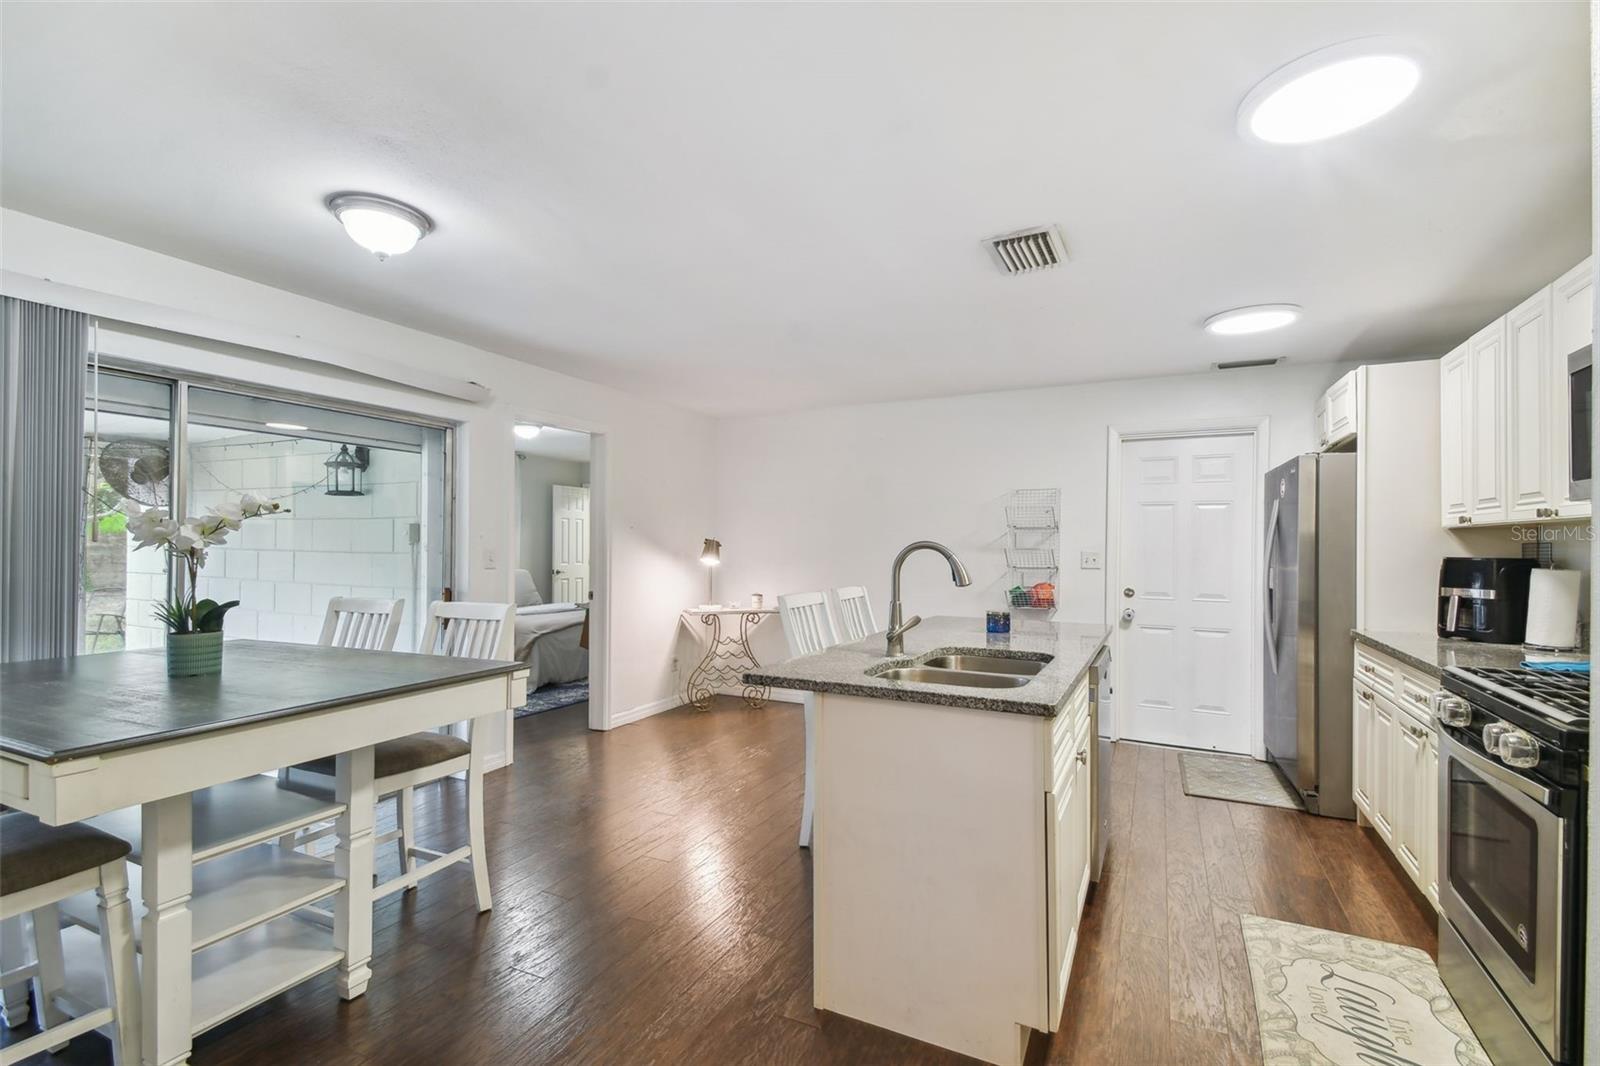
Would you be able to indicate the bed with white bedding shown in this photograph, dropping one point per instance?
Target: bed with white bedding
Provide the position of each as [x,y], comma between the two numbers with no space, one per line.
[547,640]
[546,637]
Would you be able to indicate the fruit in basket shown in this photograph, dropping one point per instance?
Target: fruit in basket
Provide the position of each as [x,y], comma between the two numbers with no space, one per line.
[1042,595]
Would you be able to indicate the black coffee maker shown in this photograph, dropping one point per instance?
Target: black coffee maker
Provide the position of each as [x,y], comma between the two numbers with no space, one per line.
[1484,599]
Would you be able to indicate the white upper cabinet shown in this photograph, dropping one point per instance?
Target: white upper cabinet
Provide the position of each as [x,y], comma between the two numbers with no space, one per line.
[1486,353]
[1337,417]
[1503,411]
[1530,380]
[1572,328]
[1455,435]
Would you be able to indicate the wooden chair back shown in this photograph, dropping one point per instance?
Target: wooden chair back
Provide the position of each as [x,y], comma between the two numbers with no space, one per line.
[807,622]
[469,630]
[364,625]
[854,612]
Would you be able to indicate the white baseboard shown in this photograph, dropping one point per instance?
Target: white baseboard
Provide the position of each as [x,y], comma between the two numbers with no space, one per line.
[645,710]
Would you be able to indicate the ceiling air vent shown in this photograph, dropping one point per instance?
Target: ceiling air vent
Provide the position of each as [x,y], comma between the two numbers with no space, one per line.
[1245,364]
[1028,249]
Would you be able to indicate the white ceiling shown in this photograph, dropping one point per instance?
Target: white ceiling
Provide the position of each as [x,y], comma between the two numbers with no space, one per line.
[557,443]
[752,206]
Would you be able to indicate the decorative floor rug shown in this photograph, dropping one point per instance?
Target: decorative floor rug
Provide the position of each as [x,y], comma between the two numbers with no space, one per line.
[1330,999]
[552,697]
[1235,777]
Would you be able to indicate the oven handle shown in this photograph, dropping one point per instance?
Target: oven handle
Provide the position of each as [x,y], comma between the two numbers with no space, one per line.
[1536,792]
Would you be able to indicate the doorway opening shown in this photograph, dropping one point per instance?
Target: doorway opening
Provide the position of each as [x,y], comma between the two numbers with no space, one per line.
[555,564]
[1183,592]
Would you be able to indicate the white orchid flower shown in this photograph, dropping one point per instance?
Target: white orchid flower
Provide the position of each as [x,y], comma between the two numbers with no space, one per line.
[227,514]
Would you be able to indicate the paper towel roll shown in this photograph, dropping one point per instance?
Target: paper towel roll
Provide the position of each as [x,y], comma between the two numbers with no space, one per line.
[1553,609]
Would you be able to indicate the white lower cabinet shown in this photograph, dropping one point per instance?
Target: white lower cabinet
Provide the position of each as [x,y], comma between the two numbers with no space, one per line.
[1395,768]
[1067,842]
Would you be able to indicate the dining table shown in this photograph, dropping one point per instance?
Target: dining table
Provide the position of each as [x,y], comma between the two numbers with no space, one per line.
[184,765]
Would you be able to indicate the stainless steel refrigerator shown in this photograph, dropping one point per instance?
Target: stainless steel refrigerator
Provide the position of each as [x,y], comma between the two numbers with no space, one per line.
[1310,609]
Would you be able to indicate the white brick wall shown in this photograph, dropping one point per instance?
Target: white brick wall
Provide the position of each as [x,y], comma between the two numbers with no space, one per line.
[284,568]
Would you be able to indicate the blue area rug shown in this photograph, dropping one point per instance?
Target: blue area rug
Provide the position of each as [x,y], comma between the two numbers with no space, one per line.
[552,697]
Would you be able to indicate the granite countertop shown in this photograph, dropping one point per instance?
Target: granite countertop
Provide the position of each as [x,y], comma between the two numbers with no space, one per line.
[843,668]
[1431,653]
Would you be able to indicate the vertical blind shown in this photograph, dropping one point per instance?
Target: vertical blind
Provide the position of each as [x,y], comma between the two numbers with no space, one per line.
[44,350]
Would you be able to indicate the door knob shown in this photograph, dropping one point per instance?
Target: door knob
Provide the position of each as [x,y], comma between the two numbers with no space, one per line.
[1127,593]
[1127,615]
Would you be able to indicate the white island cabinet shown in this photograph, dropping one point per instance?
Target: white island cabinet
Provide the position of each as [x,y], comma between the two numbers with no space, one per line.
[953,838]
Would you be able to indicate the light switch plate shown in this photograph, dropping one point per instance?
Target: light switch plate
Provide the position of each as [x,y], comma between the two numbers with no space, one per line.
[1088,560]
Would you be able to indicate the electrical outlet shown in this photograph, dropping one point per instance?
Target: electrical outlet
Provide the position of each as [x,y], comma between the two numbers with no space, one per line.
[489,560]
[1088,560]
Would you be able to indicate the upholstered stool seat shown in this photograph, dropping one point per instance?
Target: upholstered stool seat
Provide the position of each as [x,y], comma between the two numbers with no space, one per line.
[41,865]
[33,854]
[401,755]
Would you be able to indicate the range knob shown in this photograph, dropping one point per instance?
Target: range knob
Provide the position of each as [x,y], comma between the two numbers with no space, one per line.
[1453,710]
[1519,749]
[1493,734]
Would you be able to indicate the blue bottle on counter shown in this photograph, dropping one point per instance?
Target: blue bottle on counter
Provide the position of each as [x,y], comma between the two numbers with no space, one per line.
[999,622]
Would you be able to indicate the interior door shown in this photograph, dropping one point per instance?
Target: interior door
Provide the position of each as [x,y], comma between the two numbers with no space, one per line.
[569,544]
[1186,565]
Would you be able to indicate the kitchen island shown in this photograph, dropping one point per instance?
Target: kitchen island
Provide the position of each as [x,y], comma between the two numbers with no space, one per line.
[952,844]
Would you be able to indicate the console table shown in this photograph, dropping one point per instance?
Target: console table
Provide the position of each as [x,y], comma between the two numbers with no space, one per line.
[728,655]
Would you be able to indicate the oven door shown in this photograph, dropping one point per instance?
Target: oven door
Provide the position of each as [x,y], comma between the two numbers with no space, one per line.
[1580,416]
[1501,848]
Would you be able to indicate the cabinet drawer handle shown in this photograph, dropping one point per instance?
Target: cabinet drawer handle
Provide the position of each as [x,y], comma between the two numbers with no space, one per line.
[1421,701]
[1083,756]
[1365,695]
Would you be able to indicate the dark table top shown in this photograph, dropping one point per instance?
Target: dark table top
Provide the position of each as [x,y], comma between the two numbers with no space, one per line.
[56,709]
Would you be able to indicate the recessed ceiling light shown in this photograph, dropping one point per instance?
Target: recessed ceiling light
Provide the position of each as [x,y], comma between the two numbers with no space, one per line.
[1256,319]
[526,430]
[382,226]
[284,425]
[1329,92]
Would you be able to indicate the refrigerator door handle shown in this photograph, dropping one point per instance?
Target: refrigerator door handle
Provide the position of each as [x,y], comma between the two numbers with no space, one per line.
[1269,613]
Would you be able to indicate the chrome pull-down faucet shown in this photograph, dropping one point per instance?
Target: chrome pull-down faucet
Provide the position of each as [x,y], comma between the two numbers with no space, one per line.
[898,626]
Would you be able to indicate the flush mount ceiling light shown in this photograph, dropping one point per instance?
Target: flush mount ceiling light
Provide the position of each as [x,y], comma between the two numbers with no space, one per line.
[1329,92]
[526,430]
[382,226]
[1256,319]
[294,426]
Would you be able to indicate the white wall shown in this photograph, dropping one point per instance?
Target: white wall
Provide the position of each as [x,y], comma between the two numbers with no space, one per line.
[655,457]
[535,475]
[825,498]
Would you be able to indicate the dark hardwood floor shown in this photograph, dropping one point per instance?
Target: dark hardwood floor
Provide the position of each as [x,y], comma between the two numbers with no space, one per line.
[651,906]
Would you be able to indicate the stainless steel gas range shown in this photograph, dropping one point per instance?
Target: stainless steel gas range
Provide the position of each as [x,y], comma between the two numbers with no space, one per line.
[1511,856]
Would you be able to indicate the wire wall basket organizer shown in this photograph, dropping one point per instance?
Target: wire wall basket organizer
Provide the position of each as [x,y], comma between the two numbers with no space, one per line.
[1033,547]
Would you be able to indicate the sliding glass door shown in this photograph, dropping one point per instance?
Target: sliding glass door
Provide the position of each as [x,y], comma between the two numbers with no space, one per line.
[366,502]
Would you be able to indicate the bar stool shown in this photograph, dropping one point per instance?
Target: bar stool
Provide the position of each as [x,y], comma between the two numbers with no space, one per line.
[40,866]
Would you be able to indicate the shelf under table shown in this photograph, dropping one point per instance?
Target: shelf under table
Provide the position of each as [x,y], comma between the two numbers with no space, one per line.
[231,894]
[231,816]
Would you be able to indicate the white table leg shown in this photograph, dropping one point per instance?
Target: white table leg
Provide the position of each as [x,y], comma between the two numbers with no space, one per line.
[352,913]
[475,772]
[14,955]
[51,977]
[168,874]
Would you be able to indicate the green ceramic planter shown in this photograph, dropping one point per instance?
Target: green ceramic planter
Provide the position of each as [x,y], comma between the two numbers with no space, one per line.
[194,654]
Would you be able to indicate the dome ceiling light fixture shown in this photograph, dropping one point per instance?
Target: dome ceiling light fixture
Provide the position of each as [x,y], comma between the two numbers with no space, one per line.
[1328,92]
[1258,318]
[526,430]
[379,224]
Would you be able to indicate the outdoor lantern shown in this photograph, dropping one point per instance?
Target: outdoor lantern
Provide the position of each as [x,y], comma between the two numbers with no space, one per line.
[345,470]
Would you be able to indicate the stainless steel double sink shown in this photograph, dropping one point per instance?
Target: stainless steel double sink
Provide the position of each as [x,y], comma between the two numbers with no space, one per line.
[967,670]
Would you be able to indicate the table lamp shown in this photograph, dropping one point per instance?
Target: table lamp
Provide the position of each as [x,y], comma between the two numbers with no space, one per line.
[711,556]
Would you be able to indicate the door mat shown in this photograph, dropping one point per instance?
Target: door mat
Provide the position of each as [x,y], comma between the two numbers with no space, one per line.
[552,697]
[1235,777]
[1331,999]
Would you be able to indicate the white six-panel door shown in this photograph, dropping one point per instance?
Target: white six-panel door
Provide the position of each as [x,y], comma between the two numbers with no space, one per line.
[1185,553]
[569,544]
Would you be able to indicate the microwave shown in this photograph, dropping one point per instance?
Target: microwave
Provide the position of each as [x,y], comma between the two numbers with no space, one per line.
[1580,418]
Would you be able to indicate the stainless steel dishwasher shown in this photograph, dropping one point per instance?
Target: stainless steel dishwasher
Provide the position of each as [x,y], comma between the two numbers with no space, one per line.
[1100,797]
